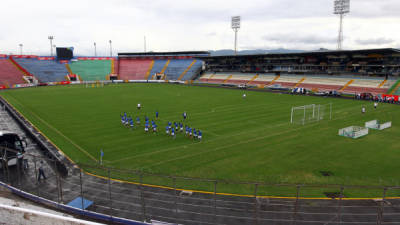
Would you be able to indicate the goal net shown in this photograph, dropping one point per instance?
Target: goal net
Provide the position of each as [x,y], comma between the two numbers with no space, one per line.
[94,84]
[353,131]
[375,124]
[310,113]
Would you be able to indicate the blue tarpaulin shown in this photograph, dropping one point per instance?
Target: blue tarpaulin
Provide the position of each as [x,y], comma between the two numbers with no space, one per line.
[77,203]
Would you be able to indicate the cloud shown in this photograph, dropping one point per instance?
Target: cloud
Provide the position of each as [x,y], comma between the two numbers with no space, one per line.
[194,25]
[375,41]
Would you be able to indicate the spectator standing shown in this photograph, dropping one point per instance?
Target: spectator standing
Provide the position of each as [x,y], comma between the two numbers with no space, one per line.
[41,171]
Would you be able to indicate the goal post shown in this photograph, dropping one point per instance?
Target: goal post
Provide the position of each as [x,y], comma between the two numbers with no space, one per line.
[310,113]
[93,84]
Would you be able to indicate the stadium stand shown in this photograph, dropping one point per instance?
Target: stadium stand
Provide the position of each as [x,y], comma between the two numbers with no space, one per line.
[346,84]
[288,81]
[371,85]
[193,69]
[10,74]
[215,78]
[238,78]
[323,83]
[44,70]
[395,88]
[133,69]
[91,69]
[157,67]
[176,67]
[347,71]
[264,79]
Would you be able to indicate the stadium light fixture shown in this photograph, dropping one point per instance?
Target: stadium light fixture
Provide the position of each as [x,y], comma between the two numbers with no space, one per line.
[110,47]
[20,48]
[95,50]
[235,26]
[144,44]
[51,44]
[341,8]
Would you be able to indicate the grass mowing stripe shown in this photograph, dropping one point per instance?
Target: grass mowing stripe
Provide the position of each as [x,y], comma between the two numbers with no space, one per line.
[90,118]
[59,133]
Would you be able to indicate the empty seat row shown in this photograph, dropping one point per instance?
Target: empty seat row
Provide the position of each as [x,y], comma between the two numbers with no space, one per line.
[91,69]
[10,74]
[44,70]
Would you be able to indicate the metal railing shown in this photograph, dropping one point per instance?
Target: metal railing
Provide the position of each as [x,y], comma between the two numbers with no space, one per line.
[139,198]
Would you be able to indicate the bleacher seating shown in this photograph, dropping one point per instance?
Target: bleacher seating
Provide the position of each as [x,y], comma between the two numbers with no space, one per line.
[288,81]
[217,78]
[10,74]
[44,70]
[397,92]
[91,69]
[389,83]
[264,79]
[205,77]
[371,85]
[176,68]
[157,67]
[238,78]
[133,69]
[312,82]
[193,71]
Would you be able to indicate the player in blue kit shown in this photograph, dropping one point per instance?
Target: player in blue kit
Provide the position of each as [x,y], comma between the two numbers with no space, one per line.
[137,120]
[173,133]
[131,122]
[154,128]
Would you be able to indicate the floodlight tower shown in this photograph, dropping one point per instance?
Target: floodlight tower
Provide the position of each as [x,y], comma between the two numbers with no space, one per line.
[144,43]
[341,8]
[110,47]
[95,49]
[51,44]
[20,48]
[235,27]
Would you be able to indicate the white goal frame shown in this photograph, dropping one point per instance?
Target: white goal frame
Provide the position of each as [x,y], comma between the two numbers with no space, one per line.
[94,84]
[353,132]
[375,124]
[318,113]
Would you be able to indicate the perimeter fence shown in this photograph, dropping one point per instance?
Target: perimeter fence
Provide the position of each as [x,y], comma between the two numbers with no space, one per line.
[139,198]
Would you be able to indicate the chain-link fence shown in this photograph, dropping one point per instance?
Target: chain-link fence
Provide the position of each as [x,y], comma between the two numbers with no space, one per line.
[138,197]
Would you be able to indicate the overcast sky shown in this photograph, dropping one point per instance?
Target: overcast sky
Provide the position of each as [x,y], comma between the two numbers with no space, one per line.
[182,25]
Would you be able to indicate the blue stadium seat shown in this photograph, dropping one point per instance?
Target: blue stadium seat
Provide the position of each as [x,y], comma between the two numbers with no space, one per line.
[176,68]
[44,70]
[157,67]
[193,71]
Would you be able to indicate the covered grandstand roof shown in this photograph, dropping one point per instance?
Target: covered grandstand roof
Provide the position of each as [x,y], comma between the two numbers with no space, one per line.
[317,53]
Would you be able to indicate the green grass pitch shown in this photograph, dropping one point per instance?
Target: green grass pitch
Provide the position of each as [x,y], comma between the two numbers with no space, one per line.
[246,139]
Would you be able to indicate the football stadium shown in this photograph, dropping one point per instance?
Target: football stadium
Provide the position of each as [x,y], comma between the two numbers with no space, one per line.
[190,137]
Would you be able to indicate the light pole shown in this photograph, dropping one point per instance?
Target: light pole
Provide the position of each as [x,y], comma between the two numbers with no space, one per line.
[341,8]
[95,50]
[51,44]
[235,27]
[110,47]
[20,48]
[144,44]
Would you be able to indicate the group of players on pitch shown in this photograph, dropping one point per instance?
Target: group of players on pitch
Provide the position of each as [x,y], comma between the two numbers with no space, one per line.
[170,130]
